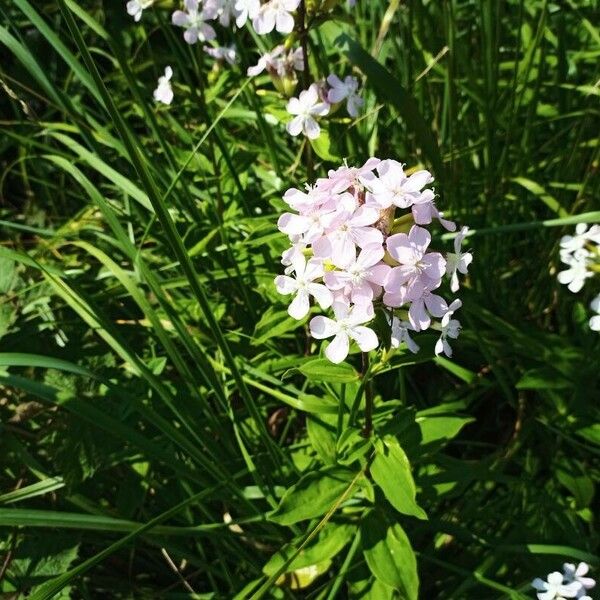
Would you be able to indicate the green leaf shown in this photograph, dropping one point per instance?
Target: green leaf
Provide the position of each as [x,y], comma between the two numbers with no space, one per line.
[322,147]
[321,369]
[436,427]
[273,323]
[312,496]
[389,554]
[322,436]
[391,471]
[331,540]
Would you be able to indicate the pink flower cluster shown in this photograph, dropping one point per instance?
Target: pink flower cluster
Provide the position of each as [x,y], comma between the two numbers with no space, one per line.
[350,252]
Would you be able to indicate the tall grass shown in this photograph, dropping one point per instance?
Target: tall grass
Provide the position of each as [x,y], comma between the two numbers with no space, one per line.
[153,400]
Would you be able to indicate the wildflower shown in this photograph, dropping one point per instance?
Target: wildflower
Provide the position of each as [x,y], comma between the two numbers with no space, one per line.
[400,335]
[424,211]
[194,21]
[418,270]
[277,63]
[450,329]
[345,90]
[135,8]
[595,320]
[458,261]
[393,187]
[305,108]
[578,574]
[574,277]
[361,264]
[224,53]
[348,325]
[275,14]
[572,243]
[164,92]
[555,588]
[304,286]
[363,278]
[246,9]
[224,9]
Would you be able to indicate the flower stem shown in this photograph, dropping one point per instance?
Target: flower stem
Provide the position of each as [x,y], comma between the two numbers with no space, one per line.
[368,385]
[303,35]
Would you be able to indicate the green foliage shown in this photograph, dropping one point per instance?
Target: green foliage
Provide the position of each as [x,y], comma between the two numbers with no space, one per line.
[165,426]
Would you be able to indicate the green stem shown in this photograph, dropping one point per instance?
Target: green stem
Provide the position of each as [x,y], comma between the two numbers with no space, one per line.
[368,385]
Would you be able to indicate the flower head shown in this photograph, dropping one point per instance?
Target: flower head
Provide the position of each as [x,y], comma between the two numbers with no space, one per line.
[135,8]
[193,20]
[164,92]
[227,54]
[275,14]
[246,9]
[555,588]
[304,286]
[458,261]
[305,108]
[345,90]
[347,325]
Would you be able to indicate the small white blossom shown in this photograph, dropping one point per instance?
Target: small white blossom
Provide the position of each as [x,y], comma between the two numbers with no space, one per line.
[400,335]
[450,329]
[458,262]
[345,90]
[135,8]
[164,92]
[304,286]
[555,588]
[578,262]
[225,53]
[577,574]
[571,243]
[305,108]
[275,14]
[246,9]
[348,325]
[193,20]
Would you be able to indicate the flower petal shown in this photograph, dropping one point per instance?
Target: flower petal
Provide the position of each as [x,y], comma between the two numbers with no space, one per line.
[338,349]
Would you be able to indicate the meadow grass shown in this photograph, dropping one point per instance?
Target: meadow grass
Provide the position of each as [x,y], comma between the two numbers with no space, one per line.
[157,401]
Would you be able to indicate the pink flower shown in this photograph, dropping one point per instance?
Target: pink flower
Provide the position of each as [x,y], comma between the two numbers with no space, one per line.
[418,271]
[400,335]
[363,278]
[424,211]
[348,230]
[348,325]
[304,286]
[393,187]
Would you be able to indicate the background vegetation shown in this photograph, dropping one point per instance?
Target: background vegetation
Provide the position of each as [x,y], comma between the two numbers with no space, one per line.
[155,400]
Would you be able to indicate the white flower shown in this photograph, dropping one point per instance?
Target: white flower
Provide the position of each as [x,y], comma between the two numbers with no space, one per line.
[135,8]
[393,186]
[304,286]
[164,92]
[307,106]
[345,90]
[571,243]
[554,588]
[578,574]
[193,20]
[275,14]
[348,325]
[400,334]
[224,9]
[595,320]
[458,261]
[574,277]
[450,329]
[279,65]
[226,53]
[246,9]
